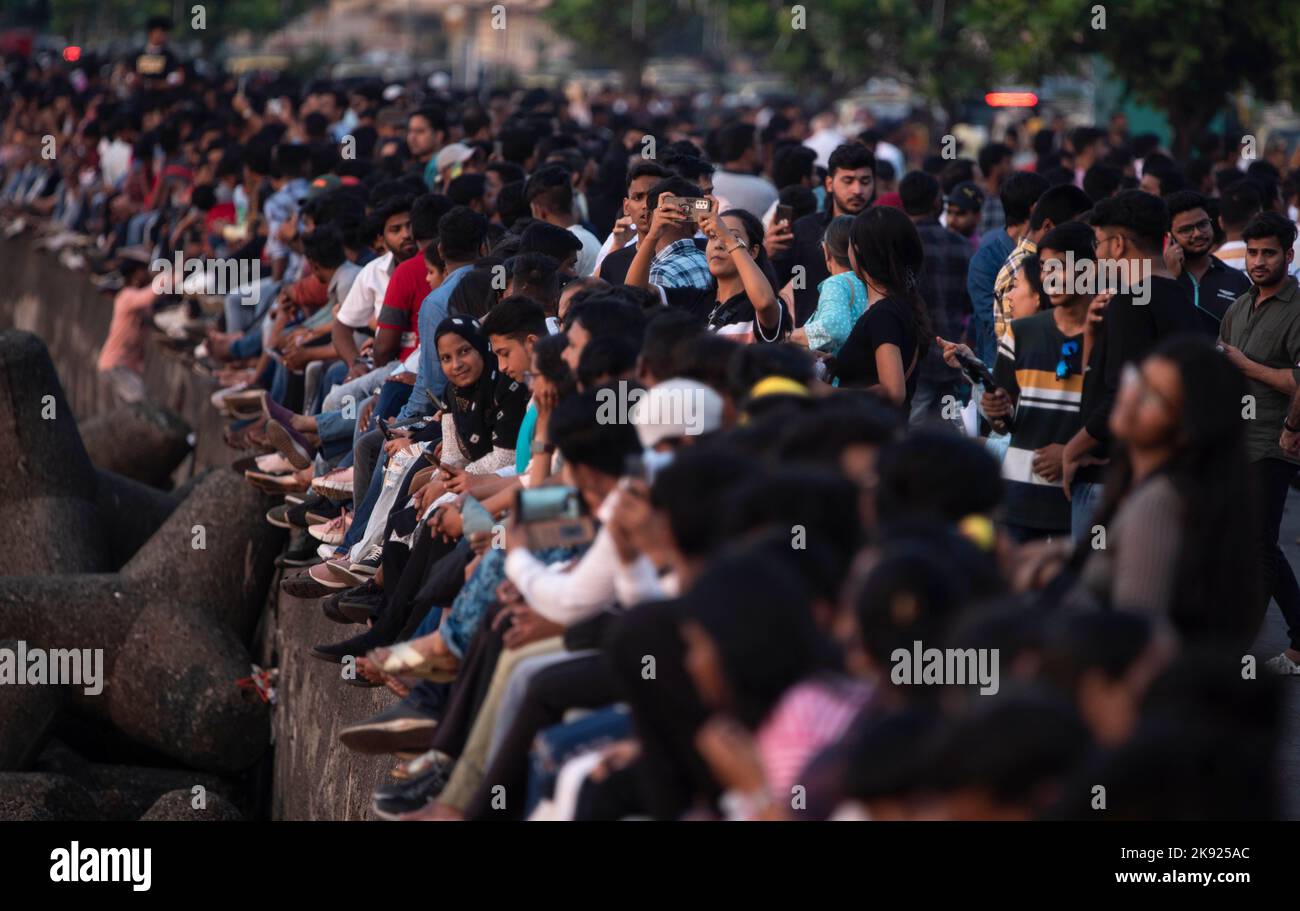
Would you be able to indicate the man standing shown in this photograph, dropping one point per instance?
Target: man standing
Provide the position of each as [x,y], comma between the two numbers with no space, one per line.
[1019,193]
[941,284]
[964,208]
[620,246]
[1147,305]
[1212,284]
[549,193]
[995,168]
[850,188]
[426,131]
[675,259]
[738,181]
[1237,205]
[1056,206]
[1261,337]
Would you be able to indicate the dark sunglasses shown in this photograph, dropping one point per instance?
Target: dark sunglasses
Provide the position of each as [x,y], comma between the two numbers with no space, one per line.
[1068,350]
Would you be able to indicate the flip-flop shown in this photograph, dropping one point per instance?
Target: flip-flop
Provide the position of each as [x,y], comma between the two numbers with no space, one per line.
[404,660]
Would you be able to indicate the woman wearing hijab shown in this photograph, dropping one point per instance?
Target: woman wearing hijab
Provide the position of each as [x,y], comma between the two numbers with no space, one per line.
[480,425]
[484,406]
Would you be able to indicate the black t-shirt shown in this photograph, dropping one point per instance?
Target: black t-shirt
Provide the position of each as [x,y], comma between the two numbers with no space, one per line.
[1129,332]
[734,316]
[888,321]
[154,62]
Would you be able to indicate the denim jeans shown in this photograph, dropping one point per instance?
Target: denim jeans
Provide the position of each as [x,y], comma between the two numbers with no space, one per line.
[1085,500]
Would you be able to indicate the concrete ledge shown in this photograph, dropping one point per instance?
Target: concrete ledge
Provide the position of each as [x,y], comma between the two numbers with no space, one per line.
[315,777]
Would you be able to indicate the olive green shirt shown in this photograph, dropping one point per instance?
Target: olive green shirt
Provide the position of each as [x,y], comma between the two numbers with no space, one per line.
[1270,335]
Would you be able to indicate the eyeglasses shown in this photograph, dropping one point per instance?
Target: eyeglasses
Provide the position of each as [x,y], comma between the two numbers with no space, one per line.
[1202,226]
[1068,350]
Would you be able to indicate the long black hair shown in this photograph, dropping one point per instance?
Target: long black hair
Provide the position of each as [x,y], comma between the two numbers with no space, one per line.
[888,249]
[754,238]
[1215,595]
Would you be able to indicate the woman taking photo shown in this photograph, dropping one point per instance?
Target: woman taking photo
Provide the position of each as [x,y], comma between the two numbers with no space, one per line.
[741,302]
[1176,513]
[888,341]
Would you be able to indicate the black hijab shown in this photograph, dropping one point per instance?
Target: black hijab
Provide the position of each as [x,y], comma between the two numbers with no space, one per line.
[487,412]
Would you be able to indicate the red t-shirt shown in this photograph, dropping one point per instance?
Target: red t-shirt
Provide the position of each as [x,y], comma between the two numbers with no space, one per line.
[407,289]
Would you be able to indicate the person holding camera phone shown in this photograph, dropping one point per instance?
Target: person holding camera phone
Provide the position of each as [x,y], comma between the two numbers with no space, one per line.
[739,302]
[668,256]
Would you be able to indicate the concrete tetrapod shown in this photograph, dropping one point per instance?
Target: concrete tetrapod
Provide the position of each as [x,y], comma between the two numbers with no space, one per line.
[173,622]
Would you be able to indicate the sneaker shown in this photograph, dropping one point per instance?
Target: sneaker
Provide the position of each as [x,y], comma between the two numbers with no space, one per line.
[412,767]
[275,515]
[326,551]
[246,405]
[275,483]
[392,800]
[72,260]
[321,510]
[290,444]
[329,606]
[1282,665]
[111,281]
[305,587]
[342,571]
[370,563]
[363,603]
[302,555]
[218,398]
[337,485]
[403,727]
[321,574]
[333,531]
[312,509]
[273,463]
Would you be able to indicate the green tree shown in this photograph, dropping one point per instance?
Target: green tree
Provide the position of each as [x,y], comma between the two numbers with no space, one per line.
[1184,57]
[626,33]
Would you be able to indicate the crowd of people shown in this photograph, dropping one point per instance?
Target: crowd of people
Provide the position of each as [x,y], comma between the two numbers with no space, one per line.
[641,454]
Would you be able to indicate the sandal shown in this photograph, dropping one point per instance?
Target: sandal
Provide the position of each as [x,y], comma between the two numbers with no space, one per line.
[404,660]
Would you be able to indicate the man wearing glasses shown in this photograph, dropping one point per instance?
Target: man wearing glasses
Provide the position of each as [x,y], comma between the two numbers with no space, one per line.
[1212,283]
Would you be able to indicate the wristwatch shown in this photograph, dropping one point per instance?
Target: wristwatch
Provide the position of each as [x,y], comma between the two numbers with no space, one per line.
[542,448]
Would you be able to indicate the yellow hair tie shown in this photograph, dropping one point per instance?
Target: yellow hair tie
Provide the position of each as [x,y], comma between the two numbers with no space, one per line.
[978,530]
[778,385]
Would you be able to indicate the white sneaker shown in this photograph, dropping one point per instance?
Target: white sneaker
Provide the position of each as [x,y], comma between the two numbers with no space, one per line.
[1282,666]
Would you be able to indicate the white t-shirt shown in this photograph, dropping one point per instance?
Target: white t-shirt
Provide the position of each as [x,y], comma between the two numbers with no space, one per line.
[367,294]
[589,255]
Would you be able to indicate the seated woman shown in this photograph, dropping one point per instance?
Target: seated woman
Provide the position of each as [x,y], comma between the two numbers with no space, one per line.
[841,299]
[479,431]
[741,303]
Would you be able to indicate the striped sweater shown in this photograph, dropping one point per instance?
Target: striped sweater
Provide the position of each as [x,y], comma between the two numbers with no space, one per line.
[1046,411]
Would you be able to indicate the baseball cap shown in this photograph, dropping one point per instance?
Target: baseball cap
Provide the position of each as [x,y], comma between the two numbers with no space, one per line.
[455,153]
[966,196]
[676,408]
